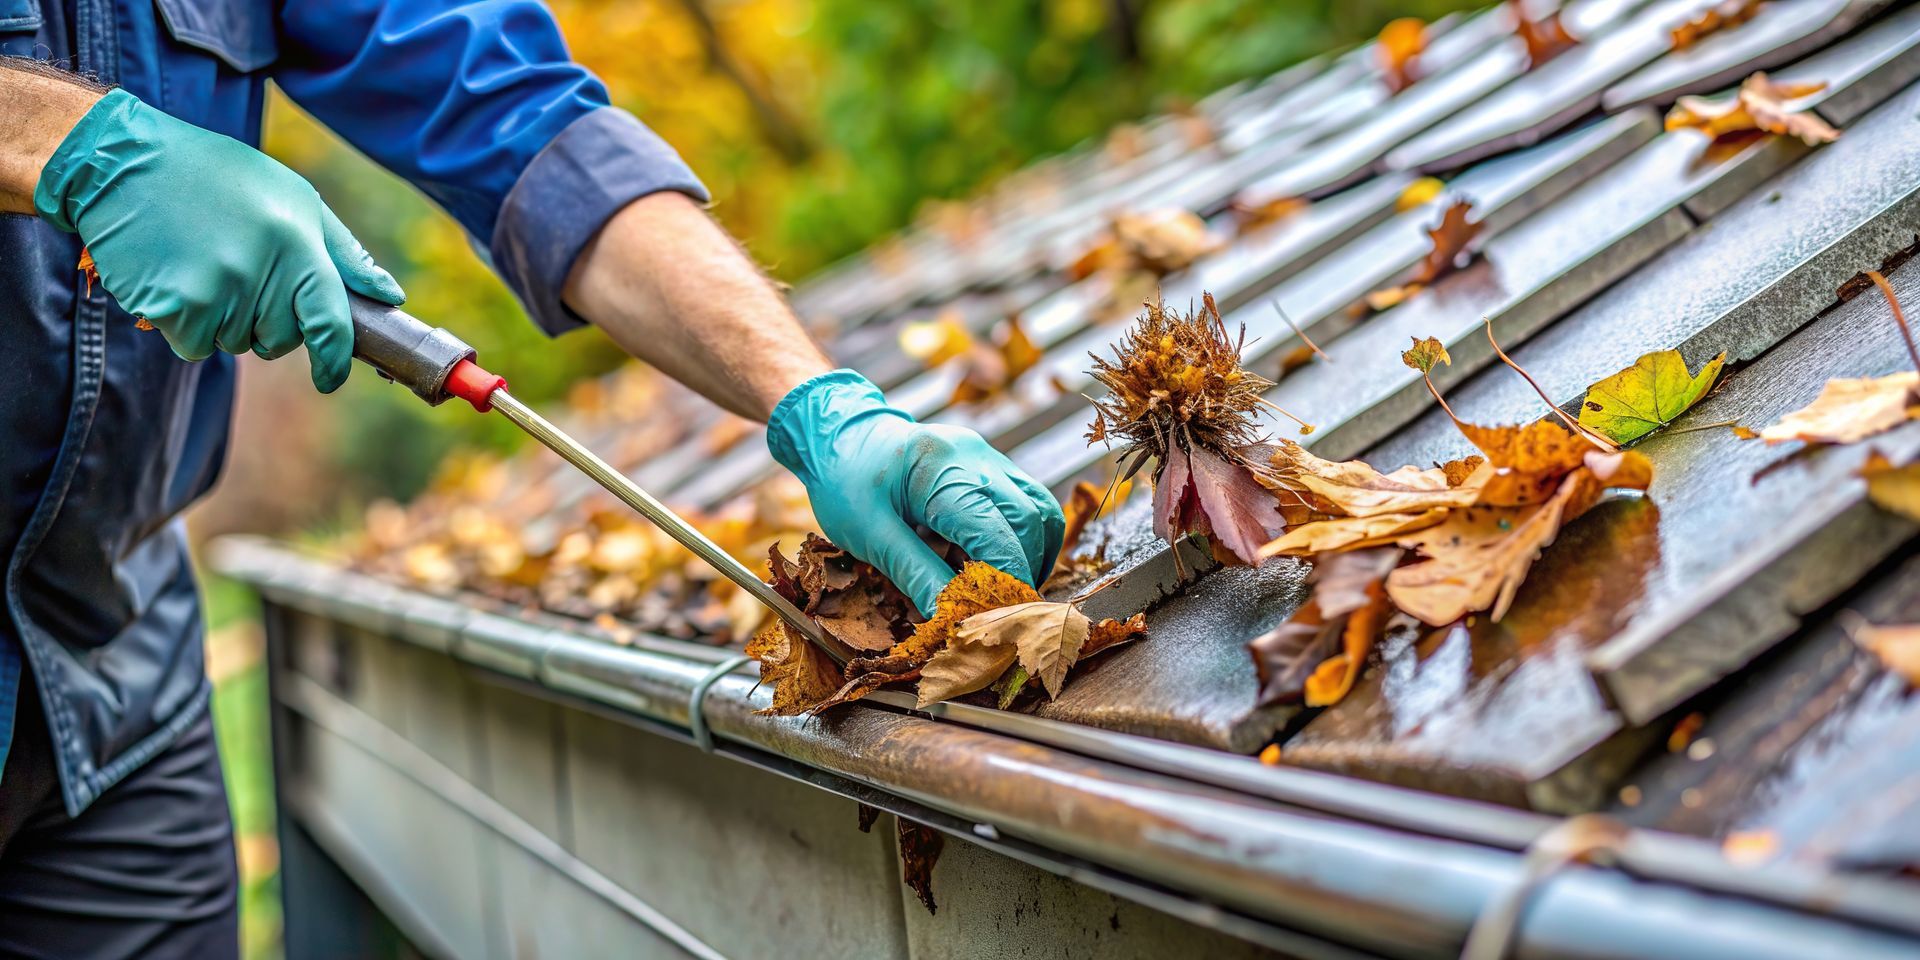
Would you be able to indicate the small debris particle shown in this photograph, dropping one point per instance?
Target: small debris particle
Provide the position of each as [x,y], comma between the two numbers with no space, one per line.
[1747,848]
[1271,755]
[1630,795]
[1684,731]
[1700,749]
[986,831]
[1691,798]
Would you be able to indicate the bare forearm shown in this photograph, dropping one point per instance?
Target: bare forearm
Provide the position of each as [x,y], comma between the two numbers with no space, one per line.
[674,290]
[38,106]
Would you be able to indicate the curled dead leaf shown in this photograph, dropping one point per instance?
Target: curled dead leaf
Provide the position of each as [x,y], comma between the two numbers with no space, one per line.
[1399,45]
[1848,411]
[1714,19]
[1545,38]
[1450,240]
[1339,622]
[1760,104]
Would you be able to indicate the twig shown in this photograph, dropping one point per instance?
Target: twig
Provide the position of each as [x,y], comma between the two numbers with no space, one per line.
[1572,424]
[1302,334]
[1899,316]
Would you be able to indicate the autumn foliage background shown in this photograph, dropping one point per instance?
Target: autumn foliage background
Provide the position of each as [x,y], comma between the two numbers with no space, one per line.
[819,125]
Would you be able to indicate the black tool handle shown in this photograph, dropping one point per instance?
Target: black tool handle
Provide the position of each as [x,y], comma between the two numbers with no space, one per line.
[404,349]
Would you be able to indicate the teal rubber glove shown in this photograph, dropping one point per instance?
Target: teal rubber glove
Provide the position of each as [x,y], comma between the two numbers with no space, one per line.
[872,473]
[213,242]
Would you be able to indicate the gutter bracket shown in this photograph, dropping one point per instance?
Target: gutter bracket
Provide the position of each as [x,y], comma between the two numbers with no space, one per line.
[697,700]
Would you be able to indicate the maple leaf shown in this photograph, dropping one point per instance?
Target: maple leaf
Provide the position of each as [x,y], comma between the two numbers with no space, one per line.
[1400,44]
[1340,621]
[1760,104]
[1720,16]
[1450,239]
[1425,354]
[1528,461]
[1891,488]
[1646,396]
[1545,38]
[987,370]
[1478,557]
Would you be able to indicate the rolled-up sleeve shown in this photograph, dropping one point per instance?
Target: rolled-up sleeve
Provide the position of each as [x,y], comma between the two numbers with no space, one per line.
[479,105]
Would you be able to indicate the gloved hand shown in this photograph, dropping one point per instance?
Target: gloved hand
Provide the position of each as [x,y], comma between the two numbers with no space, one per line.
[872,472]
[212,241]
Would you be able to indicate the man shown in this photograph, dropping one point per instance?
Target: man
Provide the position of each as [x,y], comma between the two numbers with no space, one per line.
[114,838]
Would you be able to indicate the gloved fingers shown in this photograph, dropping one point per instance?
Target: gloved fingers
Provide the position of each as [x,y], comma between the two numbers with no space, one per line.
[892,546]
[963,509]
[326,327]
[356,265]
[275,328]
[1052,522]
[191,332]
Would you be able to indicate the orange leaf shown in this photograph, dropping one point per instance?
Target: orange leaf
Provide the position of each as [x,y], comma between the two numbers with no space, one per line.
[1545,38]
[1400,44]
[1721,16]
[1450,239]
[1760,104]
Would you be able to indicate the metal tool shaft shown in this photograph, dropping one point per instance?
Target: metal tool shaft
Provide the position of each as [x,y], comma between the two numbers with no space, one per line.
[630,494]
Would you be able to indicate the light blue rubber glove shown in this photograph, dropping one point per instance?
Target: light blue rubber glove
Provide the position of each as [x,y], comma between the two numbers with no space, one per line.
[872,473]
[212,241]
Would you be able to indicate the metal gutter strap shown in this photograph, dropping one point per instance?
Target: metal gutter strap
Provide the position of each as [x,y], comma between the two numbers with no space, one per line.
[1407,894]
[697,700]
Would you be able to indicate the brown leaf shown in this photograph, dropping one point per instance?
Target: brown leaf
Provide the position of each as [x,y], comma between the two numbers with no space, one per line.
[977,588]
[920,847]
[1478,557]
[1720,16]
[1048,637]
[986,372]
[1545,38]
[1348,533]
[1339,621]
[801,674]
[1400,44]
[1848,411]
[1352,488]
[1450,239]
[859,687]
[1112,633]
[961,667]
[1251,217]
[1761,105]
[1156,243]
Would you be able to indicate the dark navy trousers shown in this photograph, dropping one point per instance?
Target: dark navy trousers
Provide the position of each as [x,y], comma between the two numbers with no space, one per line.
[146,871]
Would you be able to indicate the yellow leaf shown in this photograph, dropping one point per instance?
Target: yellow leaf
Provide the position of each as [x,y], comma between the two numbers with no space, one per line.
[934,342]
[1418,193]
[1348,533]
[1426,354]
[1761,104]
[1646,396]
[1891,488]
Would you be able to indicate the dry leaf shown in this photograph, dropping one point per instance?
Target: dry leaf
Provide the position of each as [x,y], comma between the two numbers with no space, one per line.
[1158,243]
[1399,46]
[1048,636]
[1478,557]
[800,673]
[1450,239]
[1348,533]
[1251,217]
[961,667]
[1418,193]
[1354,489]
[1175,377]
[1720,16]
[1201,493]
[1112,633]
[1893,489]
[977,588]
[1528,461]
[1896,645]
[1545,38]
[920,847]
[1425,354]
[1339,621]
[1761,105]
[986,371]
[1646,396]
[934,342]
[1848,411]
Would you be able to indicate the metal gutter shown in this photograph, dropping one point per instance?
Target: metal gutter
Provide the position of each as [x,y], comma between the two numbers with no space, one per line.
[1384,869]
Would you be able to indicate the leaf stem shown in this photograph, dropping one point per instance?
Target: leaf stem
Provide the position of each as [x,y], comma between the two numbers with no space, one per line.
[1302,334]
[1442,401]
[1899,316]
[1305,427]
[1696,428]
[1571,423]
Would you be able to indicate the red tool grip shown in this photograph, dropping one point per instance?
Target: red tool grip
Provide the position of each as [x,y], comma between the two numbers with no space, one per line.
[468,381]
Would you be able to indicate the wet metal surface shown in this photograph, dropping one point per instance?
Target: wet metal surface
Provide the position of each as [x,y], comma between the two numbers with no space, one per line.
[1752,536]
[1504,712]
[1777,745]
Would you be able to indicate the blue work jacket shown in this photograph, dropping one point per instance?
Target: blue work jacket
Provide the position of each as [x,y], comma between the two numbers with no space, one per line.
[106,436]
